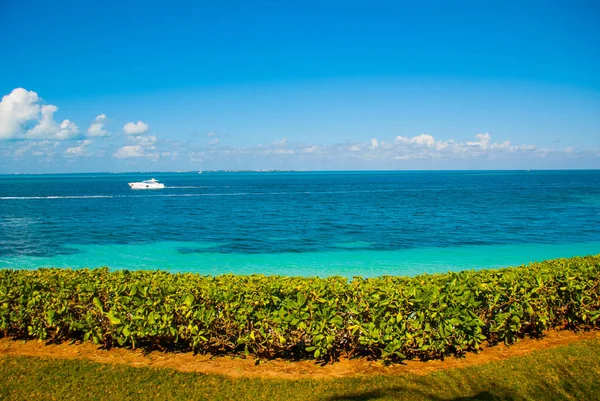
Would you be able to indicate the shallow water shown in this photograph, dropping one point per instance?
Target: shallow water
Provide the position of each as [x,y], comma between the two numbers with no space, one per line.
[345,223]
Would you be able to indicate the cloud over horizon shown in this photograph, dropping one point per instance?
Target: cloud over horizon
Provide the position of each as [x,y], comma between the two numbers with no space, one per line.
[23,116]
[96,129]
[142,146]
[80,150]
[136,128]
[28,129]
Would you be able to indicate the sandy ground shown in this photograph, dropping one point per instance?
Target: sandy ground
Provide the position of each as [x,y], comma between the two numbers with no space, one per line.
[237,367]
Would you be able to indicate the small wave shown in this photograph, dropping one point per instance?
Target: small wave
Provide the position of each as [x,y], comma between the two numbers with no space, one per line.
[186,187]
[271,193]
[187,195]
[225,194]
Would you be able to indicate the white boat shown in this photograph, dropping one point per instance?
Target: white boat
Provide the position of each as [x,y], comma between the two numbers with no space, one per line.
[147,184]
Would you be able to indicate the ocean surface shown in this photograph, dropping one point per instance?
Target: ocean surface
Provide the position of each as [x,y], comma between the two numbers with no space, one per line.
[300,223]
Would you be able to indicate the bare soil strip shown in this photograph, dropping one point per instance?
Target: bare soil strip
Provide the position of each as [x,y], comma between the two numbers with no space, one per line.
[239,367]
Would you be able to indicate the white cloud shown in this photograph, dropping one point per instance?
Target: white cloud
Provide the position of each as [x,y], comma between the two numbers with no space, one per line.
[172,155]
[47,128]
[499,146]
[143,146]
[419,140]
[79,150]
[281,151]
[138,128]
[130,151]
[426,146]
[280,142]
[278,147]
[36,148]
[483,142]
[310,149]
[68,130]
[97,130]
[23,117]
[23,150]
[17,110]
[196,157]
[145,141]
[214,142]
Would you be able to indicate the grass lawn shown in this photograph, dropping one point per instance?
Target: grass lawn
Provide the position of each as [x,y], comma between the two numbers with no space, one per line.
[570,372]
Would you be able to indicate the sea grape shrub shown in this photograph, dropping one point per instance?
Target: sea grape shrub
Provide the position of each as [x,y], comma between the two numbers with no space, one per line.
[387,318]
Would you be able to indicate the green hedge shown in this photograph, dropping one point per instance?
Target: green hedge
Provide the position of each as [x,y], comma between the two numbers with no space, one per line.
[391,318]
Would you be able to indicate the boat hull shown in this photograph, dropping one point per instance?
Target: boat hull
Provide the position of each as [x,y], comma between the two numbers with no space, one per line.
[141,185]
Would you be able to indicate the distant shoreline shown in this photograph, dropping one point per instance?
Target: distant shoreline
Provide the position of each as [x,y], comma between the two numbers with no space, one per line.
[297,171]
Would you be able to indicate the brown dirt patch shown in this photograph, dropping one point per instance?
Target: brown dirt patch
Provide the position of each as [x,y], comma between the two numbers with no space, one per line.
[237,367]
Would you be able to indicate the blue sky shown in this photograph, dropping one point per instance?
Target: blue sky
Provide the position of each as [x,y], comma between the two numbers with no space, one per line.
[107,86]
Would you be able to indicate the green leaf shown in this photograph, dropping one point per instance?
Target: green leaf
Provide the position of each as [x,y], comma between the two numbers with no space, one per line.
[189,300]
[113,319]
[301,299]
[97,303]
[337,320]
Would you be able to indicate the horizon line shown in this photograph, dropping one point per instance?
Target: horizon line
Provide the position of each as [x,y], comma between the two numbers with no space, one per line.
[294,171]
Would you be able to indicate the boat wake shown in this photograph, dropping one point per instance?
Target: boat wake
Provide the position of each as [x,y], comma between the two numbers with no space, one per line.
[186,187]
[187,195]
[55,197]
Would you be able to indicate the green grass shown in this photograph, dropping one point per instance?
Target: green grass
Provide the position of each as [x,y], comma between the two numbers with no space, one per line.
[570,372]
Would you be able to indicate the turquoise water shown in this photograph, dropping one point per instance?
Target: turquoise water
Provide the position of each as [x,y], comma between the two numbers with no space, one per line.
[349,224]
[366,263]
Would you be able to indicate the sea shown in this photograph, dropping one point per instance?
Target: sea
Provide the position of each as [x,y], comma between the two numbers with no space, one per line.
[367,224]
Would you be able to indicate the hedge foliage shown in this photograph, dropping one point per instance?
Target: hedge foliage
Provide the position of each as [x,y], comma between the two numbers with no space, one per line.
[392,318]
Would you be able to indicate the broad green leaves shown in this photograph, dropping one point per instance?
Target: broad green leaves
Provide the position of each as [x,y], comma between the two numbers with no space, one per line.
[392,318]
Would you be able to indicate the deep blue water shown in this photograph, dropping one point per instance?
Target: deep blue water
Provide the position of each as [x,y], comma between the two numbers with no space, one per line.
[347,223]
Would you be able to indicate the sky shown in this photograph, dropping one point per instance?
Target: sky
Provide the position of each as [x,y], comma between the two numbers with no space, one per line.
[90,86]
